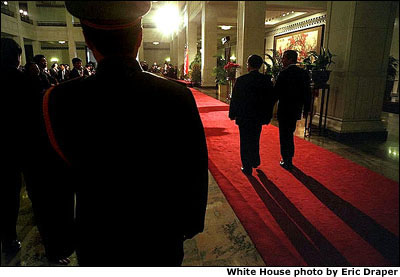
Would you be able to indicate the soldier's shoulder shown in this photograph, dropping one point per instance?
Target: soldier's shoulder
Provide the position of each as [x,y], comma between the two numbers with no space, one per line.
[157,82]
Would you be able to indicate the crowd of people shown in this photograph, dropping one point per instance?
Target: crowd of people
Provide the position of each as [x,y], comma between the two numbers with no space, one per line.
[167,70]
[38,73]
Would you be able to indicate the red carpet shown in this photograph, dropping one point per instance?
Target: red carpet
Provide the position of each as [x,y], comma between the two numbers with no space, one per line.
[328,211]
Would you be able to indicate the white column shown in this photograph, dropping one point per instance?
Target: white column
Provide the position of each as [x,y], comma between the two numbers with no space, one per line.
[191,37]
[359,34]
[250,31]
[208,44]
[181,48]
[19,39]
[174,54]
[141,53]
[36,47]
[71,41]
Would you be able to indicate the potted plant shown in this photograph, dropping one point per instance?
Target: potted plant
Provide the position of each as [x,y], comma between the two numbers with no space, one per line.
[318,64]
[195,70]
[276,66]
[221,75]
[391,76]
[195,74]
[230,68]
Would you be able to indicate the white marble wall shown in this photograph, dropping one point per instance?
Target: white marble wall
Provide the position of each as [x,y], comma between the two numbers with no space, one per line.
[208,44]
[360,34]
[250,31]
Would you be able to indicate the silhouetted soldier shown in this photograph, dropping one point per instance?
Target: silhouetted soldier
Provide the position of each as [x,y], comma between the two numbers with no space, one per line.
[136,144]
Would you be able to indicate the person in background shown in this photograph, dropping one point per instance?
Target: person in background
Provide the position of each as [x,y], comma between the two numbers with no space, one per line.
[54,71]
[63,74]
[77,71]
[46,79]
[251,107]
[144,66]
[32,72]
[87,70]
[15,99]
[292,89]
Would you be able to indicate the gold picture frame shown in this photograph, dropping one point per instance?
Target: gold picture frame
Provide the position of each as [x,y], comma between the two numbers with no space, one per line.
[303,41]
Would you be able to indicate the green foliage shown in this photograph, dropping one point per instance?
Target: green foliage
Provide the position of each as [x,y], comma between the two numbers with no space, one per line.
[219,72]
[195,69]
[195,74]
[392,68]
[277,65]
[319,61]
[197,60]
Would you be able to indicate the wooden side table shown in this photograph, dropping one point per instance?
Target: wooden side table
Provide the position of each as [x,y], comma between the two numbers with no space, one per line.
[323,109]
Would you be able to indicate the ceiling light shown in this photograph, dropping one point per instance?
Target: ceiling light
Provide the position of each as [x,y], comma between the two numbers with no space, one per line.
[283,17]
[54,60]
[156,42]
[5,3]
[167,19]
[25,13]
[21,11]
[225,27]
[61,42]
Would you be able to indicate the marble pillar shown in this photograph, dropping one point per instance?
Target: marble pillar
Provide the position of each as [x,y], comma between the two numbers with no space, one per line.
[250,32]
[181,48]
[191,36]
[36,47]
[71,41]
[359,34]
[19,38]
[174,52]
[208,44]
[20,41]
[140,55]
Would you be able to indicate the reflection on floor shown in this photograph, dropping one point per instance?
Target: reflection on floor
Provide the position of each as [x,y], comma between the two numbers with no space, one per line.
[224,241]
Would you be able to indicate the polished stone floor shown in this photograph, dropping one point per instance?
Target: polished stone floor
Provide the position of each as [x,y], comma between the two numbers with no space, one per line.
[224,241]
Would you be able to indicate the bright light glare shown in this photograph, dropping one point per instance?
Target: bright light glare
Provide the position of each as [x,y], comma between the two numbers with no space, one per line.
[54,59]
[167,19]
[225,27]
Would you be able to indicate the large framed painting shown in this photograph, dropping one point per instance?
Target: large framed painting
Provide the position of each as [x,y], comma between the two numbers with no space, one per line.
[303,41]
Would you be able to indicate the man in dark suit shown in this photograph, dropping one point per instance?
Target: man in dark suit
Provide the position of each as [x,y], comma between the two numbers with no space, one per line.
[16,122]
[292,89]
[136,144]
[77,71]
[251,107]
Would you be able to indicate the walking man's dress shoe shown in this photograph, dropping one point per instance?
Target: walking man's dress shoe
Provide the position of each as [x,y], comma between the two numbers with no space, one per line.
[286,164]
[246,170]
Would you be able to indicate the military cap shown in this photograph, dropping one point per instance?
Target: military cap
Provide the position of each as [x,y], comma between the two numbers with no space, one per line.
[108,15]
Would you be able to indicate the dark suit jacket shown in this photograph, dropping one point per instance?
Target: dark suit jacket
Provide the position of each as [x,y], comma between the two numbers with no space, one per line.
[74,73]
[252,99]
[292,89]
[138,148]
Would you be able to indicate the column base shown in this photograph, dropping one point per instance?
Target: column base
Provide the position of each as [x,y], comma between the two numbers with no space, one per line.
[342,130]
[359,136]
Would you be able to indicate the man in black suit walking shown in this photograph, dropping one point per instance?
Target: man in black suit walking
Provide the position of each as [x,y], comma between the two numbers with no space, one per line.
[292,89]
[251,106]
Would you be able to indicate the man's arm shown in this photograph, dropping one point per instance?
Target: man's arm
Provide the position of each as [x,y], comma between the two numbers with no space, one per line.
[233,107]
[307,94]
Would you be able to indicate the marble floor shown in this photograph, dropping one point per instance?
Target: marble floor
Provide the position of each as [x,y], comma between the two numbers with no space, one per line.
[224,241]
